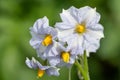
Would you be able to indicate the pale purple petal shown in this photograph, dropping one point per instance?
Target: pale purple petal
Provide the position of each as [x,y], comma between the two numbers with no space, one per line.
[68,18]
[53,71]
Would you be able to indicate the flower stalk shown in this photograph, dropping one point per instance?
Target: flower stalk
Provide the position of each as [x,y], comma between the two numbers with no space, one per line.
[86,66]
[70,73]
[83,68]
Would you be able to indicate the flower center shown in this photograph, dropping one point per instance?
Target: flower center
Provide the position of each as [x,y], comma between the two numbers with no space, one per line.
[47,40]
[65,56]
[80,28]
[40,73]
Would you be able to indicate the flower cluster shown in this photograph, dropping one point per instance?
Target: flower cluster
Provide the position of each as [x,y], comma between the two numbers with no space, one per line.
[60,46]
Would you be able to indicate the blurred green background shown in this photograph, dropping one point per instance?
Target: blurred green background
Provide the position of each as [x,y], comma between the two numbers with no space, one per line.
[17,16]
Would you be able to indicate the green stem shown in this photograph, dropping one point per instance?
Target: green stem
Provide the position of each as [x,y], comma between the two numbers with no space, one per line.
[86,66]
[70,73]
[83,69]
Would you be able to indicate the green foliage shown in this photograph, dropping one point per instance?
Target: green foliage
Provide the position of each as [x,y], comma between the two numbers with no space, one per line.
[17,16]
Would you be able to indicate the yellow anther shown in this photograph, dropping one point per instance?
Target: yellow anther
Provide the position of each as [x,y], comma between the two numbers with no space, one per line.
[80,28]
[40,73]
[47,40]
[65,57]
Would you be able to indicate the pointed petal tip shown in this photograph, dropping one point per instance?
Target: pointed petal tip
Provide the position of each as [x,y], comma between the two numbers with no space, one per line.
[95,8]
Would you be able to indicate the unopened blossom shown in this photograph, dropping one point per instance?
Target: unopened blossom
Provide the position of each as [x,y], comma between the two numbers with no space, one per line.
[34,64]
[81,28]
[42,37]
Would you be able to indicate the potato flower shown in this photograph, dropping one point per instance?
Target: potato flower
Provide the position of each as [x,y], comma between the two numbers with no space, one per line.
[50,70]
[42,37]
[81,28]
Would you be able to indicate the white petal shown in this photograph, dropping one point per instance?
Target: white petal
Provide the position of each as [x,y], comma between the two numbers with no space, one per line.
[45,22]
[40,51]
[53,71]
[91,34]
[91,47]
[73,42]
[35,43]
[80,44]
[40,34]
[53,52]
[28,63]
[92,40]
[80,40]
[88,16]
[52,31]
[40,66]
[96,27]
[82,13]
[92,17]
[55,49]
[32,63]
[65,35]
[63,26]
[75,13]
[68,18]
[76,43]
[42,22]
[54,60]
[72,59]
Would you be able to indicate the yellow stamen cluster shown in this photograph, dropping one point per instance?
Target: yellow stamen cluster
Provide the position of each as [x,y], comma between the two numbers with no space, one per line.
[40,73]
[47,40]
[80,28]
[65,56]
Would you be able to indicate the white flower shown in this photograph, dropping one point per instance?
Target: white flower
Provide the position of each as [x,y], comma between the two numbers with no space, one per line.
[42,37]
[34,64]
[61,55]
[80,28]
